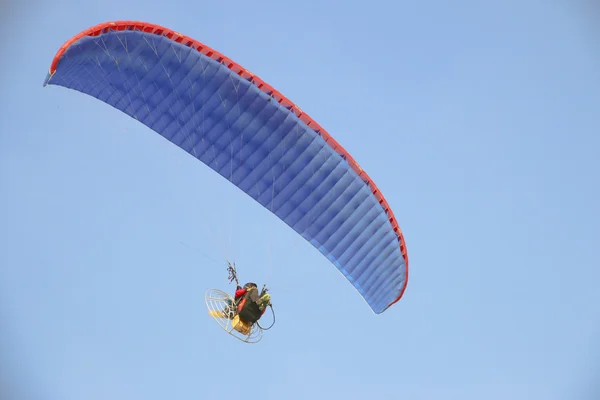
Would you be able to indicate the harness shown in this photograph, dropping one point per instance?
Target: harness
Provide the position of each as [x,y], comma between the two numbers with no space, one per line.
[249,310]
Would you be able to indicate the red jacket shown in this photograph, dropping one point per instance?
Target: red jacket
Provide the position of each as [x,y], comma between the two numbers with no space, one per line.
[240,293]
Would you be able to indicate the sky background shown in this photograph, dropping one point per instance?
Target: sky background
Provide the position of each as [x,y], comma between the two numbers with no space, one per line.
[478,120]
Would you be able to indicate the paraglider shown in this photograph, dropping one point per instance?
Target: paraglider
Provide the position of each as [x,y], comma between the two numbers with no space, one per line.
[240,315]
[235,123]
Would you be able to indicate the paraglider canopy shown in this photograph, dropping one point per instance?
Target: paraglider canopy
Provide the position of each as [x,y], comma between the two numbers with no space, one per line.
[252,135]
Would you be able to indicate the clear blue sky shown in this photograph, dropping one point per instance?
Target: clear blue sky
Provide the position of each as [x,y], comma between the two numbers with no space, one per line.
[479,121]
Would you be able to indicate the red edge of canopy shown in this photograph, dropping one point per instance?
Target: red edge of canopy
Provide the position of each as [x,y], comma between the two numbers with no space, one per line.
[262,85]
